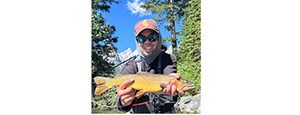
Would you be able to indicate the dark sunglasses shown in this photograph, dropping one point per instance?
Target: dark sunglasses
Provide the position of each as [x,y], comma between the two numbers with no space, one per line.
[151,38]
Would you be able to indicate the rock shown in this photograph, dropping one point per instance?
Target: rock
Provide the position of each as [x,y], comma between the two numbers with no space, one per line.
[189,103]
[183,101]
[188,110]
[199,110]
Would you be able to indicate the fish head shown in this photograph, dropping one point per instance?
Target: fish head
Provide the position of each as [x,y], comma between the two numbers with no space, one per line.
[183,85]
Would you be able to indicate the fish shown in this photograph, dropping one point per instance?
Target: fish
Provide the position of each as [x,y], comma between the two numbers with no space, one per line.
[143,82]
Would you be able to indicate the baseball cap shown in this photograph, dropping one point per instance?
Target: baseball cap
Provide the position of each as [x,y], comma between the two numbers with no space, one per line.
[145,24]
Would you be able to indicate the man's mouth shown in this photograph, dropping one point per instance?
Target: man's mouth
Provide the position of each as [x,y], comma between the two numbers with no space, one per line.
[148,48]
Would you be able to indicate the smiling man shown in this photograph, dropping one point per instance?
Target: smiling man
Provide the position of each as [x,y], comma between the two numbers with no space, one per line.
[150,59]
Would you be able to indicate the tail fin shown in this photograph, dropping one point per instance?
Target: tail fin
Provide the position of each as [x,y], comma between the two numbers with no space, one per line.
[101,85]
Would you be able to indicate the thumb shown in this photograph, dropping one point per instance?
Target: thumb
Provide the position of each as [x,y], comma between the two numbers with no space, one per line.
[163,85]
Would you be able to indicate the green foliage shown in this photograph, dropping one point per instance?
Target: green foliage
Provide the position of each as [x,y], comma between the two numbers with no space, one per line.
[162,9]
[103,5]
[189,54]
[191,72]
[169,11]
[102,45]
[102,49]
[106,102]
[102,39]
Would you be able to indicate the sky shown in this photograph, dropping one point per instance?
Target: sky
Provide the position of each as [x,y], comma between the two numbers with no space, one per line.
[124,16]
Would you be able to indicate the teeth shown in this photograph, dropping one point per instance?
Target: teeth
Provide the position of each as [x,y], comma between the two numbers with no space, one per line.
[148,48]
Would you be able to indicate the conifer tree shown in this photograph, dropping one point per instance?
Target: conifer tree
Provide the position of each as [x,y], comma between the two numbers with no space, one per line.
[189,54]
[102,38]
[169,11]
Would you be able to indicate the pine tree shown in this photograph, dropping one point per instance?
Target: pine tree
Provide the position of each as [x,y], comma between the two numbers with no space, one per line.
[102,38]
[189,49]
[170,11]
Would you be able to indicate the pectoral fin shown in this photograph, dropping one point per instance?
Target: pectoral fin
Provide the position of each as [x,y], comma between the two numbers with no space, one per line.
[140,93]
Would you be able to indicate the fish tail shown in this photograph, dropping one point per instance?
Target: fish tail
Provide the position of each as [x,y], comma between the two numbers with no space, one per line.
[102,85]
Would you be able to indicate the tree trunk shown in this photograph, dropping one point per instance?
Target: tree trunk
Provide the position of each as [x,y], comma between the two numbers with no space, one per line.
[173,36]
[173,32]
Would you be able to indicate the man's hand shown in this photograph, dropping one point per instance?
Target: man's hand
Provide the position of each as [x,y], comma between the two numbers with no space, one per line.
[126,95]
[170,88]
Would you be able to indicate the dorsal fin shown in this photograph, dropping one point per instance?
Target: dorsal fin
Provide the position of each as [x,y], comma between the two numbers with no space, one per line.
[118,75]
[143,73]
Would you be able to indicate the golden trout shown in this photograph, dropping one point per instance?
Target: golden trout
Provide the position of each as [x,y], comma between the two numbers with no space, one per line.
[144,82]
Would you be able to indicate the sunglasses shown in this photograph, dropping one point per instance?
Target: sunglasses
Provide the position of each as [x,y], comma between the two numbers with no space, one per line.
[151,38]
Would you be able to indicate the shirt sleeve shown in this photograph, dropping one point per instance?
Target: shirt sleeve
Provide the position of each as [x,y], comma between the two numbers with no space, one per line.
[129,68]
[171,64]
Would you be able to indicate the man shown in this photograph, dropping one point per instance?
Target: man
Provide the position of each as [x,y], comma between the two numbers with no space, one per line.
[150,59]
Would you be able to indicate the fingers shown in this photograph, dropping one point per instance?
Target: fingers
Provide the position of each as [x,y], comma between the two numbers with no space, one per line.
[127,101]
[125,83]
[165,90]
[178,76]
[131,94]
[181,93]
[126,91]
[173,90]
[127,95]
[121,89]
[168,89]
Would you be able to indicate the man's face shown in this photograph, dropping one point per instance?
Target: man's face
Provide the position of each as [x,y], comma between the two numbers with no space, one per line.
[147,47]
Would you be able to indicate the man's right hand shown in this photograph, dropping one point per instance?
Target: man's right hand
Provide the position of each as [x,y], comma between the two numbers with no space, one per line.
[127,95]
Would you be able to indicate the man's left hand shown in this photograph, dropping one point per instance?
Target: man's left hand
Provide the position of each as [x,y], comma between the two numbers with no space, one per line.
[172,89]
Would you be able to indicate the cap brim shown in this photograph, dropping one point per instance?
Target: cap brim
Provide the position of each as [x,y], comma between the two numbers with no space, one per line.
[146,29]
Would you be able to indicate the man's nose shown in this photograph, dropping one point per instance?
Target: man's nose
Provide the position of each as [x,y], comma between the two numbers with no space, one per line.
[147,41]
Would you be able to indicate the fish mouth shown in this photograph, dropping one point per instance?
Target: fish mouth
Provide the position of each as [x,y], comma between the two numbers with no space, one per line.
[188,87]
